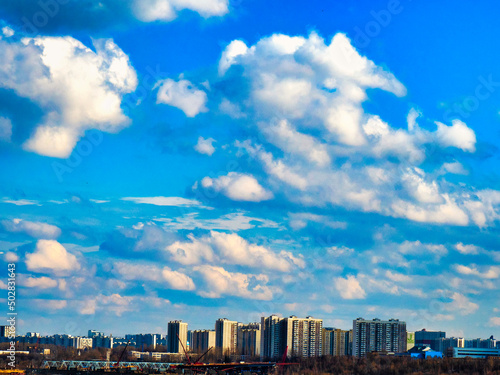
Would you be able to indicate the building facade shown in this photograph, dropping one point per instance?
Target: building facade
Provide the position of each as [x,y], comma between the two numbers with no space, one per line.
[226,336]
[249,337]
[378,336]
[202,340]
[337,342]
[270,337]
[177,331]
[429,338]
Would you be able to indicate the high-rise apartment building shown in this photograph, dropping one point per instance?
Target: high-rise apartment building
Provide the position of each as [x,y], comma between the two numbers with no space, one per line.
[270,337]
[336,341]
[177,330]
[202,340]
[249,339]
[378,336]
[226,336]
[302,337]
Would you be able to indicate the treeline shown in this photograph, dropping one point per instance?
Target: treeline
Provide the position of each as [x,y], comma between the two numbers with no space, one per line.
[380,365]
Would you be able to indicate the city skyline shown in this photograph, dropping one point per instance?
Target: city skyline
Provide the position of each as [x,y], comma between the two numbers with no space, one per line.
[236,158]
[275,337]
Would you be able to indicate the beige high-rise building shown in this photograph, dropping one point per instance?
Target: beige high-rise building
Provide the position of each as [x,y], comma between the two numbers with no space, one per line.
[177,330]
[226,336]
[303,337]
[336,342]
[202,340]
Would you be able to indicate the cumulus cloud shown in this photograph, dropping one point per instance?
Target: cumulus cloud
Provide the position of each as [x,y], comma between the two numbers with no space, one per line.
[457,135]
[77,88]
[173,279]
[492,272]
[205,146]
[11,257]
[230,248]
[295,76]
[349,288]
[39,282]
[166,10]
[33,229]
[283,135]
[218,282]
[183,95]
[51,256]
[177,280]
[238,187]
[306,97]
[466,249]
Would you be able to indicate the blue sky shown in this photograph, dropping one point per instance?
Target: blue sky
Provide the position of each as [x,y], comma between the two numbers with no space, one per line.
[171,159]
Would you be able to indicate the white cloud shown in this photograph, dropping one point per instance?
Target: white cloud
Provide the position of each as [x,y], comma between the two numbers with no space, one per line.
[283,135]
[11,257]
[233,249]
[455,168]
[457,135]
[230,248]
[148,272]
[21,202]
[7,31]
[164,201]
[177,280]
[51,256]
[205,146]
[461,304]
[39,282]
[492,272]
[218,282]
[411,119]
[33,229]
[77,88]
[194,252]
[238,187]
[5,129]
[295,76]
[306,97]
[349,288]
[183,95]
[233,222]
[397,277]
[166,10]
[421,190]
[466,249]
[232,51]
[419,248]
